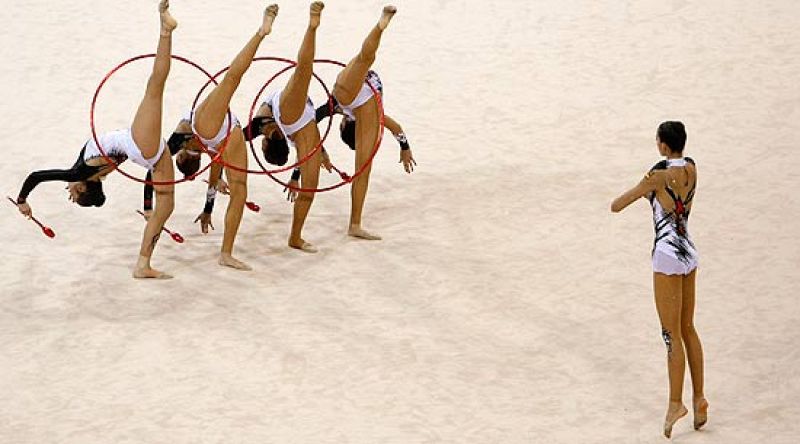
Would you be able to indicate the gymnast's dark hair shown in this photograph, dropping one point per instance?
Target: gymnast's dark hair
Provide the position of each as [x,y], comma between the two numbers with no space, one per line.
[189,165]
[255,128]
[277,150]
[93,196]
[672,133]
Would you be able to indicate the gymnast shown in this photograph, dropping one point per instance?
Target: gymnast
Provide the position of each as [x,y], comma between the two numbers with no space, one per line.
[210,122]
[347,132]
[187,151]
[670,188]
[141,142]
[289,115]
[350,88]
[356,101]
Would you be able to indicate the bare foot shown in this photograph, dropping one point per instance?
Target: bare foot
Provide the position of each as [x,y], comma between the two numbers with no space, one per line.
[675,412]
[150,273]
[227,260]
[316,12]
[700,413]
[388,12]
[362,233]
[269,16]
[303,246]
[168,23]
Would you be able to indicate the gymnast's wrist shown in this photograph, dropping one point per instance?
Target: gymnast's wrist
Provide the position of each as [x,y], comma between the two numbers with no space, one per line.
[21,200]
[403,141]
[211,194]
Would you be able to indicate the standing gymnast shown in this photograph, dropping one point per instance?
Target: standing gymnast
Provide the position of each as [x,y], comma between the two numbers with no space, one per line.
[670,187]
[141,143]
[210,123]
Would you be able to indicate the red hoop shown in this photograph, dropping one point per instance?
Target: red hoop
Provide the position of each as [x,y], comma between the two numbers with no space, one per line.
[264,170]
[345,178]
[115,164]
[204,148]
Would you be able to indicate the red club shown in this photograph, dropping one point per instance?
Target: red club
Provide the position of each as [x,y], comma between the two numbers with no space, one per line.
[173,234]
[252,206]
[345,177]
[45,229]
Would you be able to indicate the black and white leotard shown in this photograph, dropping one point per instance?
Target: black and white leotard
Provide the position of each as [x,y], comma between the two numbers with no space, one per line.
[364,94]
[673,250]
[118,145]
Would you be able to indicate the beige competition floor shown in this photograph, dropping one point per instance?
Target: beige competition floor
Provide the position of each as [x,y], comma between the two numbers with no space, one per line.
[506,304]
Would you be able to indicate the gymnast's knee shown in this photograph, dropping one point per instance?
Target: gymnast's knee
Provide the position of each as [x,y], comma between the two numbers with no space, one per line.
[165,200]
[238,188]
[305,197]
[688,330]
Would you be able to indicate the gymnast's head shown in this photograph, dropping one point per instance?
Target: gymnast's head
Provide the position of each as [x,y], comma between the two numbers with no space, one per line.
[188,161]
[671,138]
[87,193]
[274,145]
[186,151]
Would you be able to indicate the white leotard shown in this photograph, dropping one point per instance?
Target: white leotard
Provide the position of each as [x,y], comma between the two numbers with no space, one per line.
[213,144]
[273,100]
[119,144]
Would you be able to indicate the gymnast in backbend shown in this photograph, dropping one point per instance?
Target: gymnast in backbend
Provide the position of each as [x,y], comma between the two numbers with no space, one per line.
[210,122]
[141,142]
[354,98]
[289,115]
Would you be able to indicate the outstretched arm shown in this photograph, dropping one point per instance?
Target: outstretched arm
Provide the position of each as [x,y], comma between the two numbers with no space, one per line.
[406,157]
[79,171]
[397,132]
[255,127]
[645,186]
[37,177]
[291,194]
[215,178]
[325,111]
